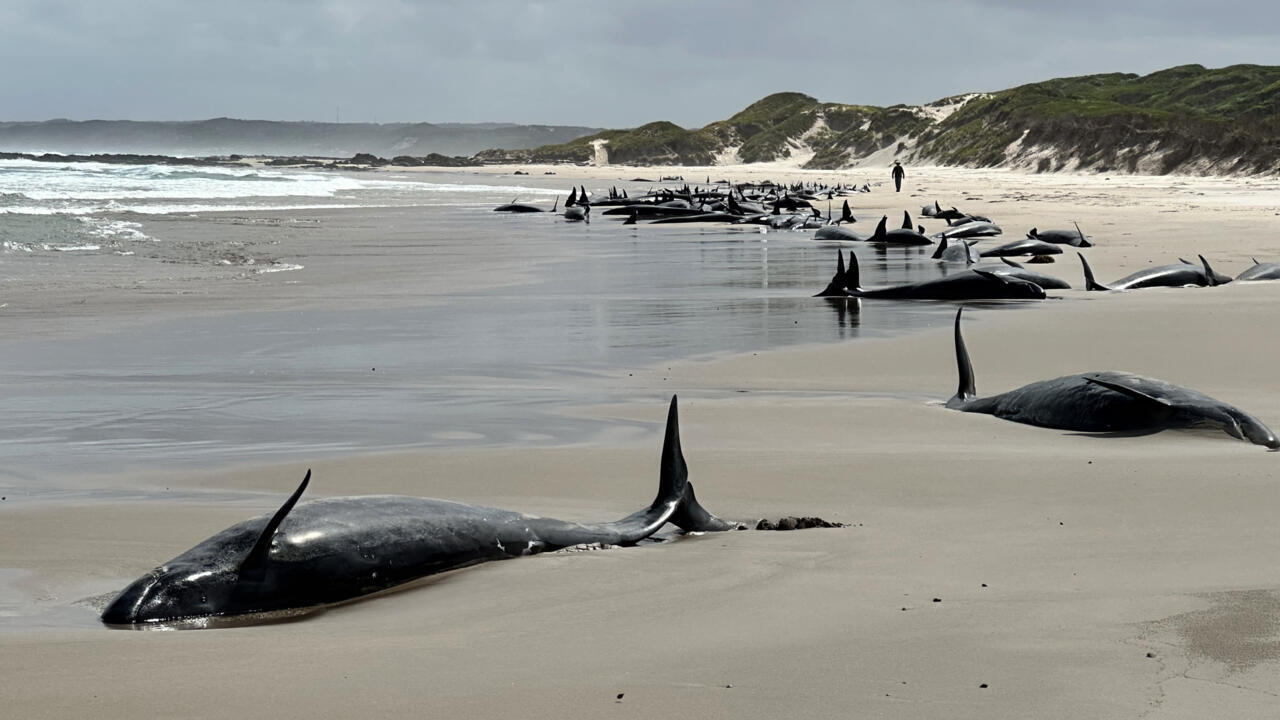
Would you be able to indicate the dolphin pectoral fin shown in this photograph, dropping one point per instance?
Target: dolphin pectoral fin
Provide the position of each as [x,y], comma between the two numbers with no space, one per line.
[992,276]
[256,560]
[1011,263]
[1131,392]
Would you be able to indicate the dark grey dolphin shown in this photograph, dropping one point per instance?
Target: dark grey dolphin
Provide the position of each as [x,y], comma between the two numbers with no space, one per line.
[516,207]
[333,549]
[1061,237]
[955,252]
[1105,401]
[1013,269]
[837,232]
[1177,275]
[1026,246]
[967,285]
[972,229]
[1261,271]
[1218,278]
[905,235]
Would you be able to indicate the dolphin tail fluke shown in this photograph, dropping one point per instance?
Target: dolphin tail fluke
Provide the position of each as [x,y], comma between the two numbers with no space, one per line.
[1089,282]
[692,517]
[675,473]
[965,390]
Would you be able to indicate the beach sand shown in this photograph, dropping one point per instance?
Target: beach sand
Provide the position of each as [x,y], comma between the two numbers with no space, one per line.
[989,569]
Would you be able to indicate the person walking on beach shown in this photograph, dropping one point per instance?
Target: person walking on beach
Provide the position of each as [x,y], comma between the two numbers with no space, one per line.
[898,174]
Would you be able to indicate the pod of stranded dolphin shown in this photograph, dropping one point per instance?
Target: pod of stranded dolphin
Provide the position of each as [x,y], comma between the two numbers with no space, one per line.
[1106,401]
[315,553]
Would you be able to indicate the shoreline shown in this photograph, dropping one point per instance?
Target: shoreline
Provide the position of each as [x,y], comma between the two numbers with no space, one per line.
[1075,575]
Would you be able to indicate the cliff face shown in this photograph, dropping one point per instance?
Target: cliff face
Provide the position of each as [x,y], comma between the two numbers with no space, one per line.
[1184,119]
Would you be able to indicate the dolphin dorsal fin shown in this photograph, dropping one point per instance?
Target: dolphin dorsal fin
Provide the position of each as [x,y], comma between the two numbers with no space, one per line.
[920,229]
[555,206]
[880,228]
[1089,282]
[1211,279]
[942,247]
[1255,261]
[936,206]
[906,220]
[1084,242]
[256,560]
[1034,233]
[852,279]
[965,390]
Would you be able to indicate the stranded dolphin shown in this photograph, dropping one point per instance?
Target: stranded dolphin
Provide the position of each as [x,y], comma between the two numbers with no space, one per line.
[1105,401]
[1177,275]
[966,285]
[333,549]
[1261,271]
[905,235]
[1064,237]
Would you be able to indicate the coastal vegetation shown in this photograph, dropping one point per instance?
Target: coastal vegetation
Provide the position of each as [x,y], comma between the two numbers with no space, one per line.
[1183,119]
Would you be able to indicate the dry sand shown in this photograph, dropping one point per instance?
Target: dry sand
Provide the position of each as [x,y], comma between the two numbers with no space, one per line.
[991,570]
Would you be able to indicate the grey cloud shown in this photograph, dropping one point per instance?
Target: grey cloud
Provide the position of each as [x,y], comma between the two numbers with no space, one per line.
[574,62]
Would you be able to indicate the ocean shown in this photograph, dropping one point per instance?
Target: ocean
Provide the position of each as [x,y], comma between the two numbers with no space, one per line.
[362,312]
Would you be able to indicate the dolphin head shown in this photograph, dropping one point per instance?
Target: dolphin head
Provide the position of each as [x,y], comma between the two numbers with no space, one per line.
[1257,433]
[173,592]
[1239,424]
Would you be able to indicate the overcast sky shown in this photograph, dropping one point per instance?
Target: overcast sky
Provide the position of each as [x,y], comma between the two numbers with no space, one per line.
[587,62]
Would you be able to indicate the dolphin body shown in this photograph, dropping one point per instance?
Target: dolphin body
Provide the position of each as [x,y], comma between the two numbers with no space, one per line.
[956,252]
[1062,237]
[1106,401]
[1013,269]
[967,285]
[329,550]
[1176,275]
[837,232]
[515,207]
[906,235]
[1026,246]
[1261,271]
[971,229]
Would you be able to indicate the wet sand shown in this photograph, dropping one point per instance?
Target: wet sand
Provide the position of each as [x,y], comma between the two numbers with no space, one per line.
[990,569]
